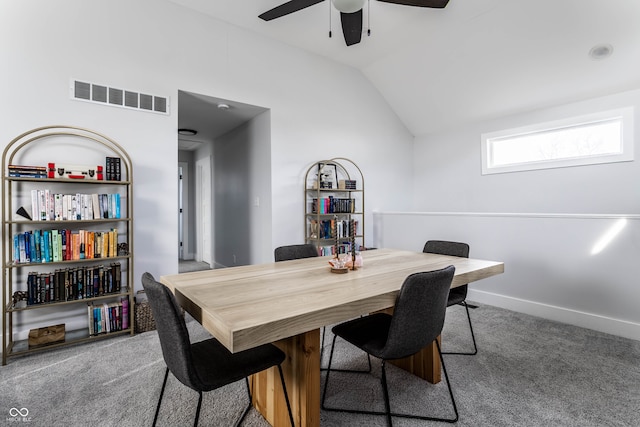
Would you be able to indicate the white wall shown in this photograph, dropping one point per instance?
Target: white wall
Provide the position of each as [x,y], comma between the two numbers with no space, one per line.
[543,224]
[319,109]
[242,194]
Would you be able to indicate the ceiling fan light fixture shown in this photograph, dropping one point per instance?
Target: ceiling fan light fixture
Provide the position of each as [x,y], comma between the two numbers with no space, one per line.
[348,6]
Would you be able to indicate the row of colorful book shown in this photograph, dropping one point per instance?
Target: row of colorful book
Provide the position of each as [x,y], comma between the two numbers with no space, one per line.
[324,229]
[108,317]
[49,206]
[40,246]
[329,205]
[75,283]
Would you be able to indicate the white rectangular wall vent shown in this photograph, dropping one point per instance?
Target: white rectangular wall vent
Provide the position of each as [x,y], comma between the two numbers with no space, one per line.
[101,94]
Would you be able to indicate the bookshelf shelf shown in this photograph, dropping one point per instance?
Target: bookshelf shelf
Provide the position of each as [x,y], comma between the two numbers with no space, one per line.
[75,261]
[331,210]
[21,306]
[70,278]
[77,336]
[67,181]
[55,224]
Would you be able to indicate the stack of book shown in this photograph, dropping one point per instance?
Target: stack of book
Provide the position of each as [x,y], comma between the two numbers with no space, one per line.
[23,171]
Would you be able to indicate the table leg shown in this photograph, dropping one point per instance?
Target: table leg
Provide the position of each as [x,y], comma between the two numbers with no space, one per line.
[301,371]
[424,364]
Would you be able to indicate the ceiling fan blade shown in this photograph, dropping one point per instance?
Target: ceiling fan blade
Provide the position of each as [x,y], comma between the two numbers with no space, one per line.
[287,8]
[439,4]
[352,27]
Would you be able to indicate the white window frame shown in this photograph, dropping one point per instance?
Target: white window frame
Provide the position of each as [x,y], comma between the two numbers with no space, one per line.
[626,115]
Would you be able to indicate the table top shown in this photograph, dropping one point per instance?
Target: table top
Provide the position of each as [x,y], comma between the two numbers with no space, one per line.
[247,306]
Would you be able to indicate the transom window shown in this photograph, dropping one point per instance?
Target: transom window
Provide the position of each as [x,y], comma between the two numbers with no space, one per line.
[597,138]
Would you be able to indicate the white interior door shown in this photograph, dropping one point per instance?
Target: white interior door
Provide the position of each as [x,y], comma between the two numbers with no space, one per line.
[183,212]
[204,229]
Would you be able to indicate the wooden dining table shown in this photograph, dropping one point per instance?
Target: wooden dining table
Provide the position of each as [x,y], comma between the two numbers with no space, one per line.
[286,303]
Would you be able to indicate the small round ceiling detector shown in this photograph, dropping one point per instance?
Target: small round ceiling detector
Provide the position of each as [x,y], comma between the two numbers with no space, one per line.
[601,51]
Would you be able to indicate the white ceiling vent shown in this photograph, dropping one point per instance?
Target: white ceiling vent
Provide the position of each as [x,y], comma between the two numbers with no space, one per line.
[101,94]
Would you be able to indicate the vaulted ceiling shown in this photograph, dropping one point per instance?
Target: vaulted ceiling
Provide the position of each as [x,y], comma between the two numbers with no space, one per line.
[473,60]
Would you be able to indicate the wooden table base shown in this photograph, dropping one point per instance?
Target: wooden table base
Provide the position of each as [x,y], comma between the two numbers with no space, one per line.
[425,364]
[301,371]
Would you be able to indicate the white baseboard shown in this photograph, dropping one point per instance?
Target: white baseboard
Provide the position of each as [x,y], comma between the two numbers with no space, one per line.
[608,325]
[189,257]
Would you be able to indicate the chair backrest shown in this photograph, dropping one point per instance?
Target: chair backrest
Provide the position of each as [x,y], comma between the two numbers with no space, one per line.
[418,315]
[443,247]
[172,331]
[289,252]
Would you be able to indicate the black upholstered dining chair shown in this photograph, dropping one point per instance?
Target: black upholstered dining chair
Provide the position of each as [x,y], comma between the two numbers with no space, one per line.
[205,365]
[457,295]
[417,321]
[289,252]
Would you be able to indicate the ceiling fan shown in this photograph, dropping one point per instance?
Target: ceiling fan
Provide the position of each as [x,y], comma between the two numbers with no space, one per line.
[350,13]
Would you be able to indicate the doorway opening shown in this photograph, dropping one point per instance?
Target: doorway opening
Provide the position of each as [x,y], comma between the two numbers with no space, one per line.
[222,163]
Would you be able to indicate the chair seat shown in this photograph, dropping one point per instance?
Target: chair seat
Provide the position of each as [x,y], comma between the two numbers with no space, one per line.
[368,333]
[455,298]
[231,367]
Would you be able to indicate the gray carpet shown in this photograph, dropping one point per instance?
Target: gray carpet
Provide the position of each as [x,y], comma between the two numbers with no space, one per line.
[528,372]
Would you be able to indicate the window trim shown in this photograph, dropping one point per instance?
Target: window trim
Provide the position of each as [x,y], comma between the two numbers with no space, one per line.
[626,114]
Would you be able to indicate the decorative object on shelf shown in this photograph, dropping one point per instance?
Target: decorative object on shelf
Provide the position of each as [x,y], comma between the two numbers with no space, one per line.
[19,296]
[46,336]
[75,172]
[123,249]
[327,175]
[347,184]
[23,213]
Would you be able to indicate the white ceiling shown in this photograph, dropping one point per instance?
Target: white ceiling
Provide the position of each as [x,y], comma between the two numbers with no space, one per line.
[473,60]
